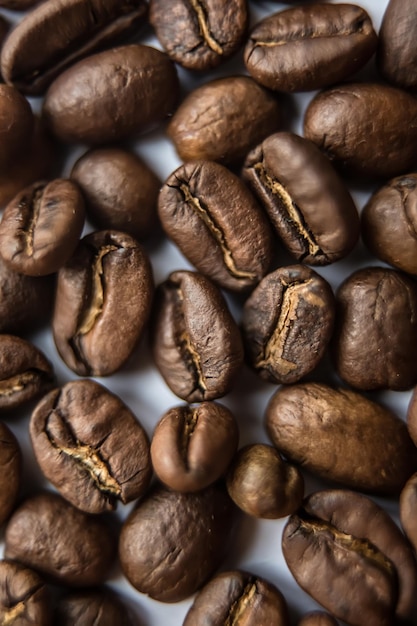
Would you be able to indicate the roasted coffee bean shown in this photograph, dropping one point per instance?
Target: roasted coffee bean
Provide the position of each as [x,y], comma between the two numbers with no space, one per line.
[223,119]
[103,300]
[389,223]
[112,95]
[217,224]
[306,201]
[53,537]
[287,323]
[262,484]
[79,28]
[351,557]
[10,465]
[120,190]
[376,330]
[370,130]
[172,542]
[98,607]
[90,446]
[238,598]
[24,597]
[412,417]
[25,373]
[16,125]
[342,436]
[408,510]
[301,49]
[397,54]
[196,343]
[192,446]
[41,227]
[199,35]
[317,618]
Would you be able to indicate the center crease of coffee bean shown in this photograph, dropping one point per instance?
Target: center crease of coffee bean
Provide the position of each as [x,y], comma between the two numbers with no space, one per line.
[239,607]
[204,28]
[33,205]
[14,384]
[15,611]
[189,426]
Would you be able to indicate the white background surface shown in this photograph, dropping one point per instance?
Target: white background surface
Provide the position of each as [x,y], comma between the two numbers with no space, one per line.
[257,543]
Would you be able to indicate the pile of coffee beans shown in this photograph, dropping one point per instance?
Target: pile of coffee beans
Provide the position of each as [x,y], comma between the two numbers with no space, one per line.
[208,313]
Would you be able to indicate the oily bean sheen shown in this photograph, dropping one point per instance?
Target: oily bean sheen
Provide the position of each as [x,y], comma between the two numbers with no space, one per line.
[112,95]
[25,373]
[199,35]
[370,130]
[217,224]
[103,300]
[408,510]
[172,542]
[192,446]
[306,201]
[287,323]
[238,598]
[24,597]
[351,557]
[16,125]
[10,471]
[301,49]
[90,446]
[97,607]
[317,618]
[262,484]
[397,54]
[389,223]
[51,536]
[31,58]
[223,119]
[196,343]
[342,436]
[41,227]
[376,330]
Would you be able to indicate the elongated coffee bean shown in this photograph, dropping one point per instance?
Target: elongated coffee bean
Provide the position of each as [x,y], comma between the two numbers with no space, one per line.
[408,510]
[96,607]
[16,125]
[24,597]
[397,55]
[10,471]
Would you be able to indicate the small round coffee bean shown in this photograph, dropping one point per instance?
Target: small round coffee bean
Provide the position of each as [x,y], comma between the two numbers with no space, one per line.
[408,510]
[397,55]
[98,607]
[24,597]
[317,618]
[11,467]
[16,125]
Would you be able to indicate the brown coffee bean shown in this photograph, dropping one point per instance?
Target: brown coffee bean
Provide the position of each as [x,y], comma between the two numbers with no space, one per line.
[223,119]
[301,49]
[199,35]
[172,542]
[238,598]
[317,618]
[412,417]
[103,300]
[112,95]
[306,201]
[25,373]
[24,597]
[217,224]
[262,484]
[98,607]
[192,446]
[120,190]
[79,29]
[287,323]
[389,223]
[16,125]
[376,330]
[41,227]
[408,510]
[51,536]
[342,436]
[397,55]
[10,465]
[351,557]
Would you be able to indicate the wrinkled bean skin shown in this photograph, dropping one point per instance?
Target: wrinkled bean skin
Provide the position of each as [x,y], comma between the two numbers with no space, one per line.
[16,125]
[68,546]
[11,467]
[408,510]
[24,597]
[342,436]
[287,323]
[172,543]
[301,49]
[238,598]
[351,557]
[317,618]
[397,55]
[339,119]
[99,607]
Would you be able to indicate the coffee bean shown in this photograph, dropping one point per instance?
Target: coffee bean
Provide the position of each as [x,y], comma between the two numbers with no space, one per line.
[192,446]
[262,484]
[412,417]
[217,224]
[376,330]
[306,201]
[172,543]
[68,546]
[317,618]
[24,597]
[342,436]
[287,323]
[408,510]
[112,95]
[238,598]
[79,28]
[199,35]
[350,556]
[301,49]
[354,124]
[397,55]
[98,607]
[103,300]
[41,227]
[10,465]
[223,119]
[16,125]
